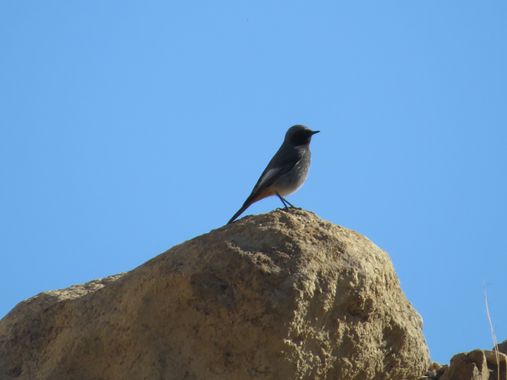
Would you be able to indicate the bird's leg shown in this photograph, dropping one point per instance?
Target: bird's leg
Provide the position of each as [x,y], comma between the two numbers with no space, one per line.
[285,203]
[290,204]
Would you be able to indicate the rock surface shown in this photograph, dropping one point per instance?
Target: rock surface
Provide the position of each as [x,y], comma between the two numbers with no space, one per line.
[502,347]
[473,365]
[283,295]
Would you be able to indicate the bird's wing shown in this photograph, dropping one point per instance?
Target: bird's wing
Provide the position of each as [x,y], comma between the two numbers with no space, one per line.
[280,164]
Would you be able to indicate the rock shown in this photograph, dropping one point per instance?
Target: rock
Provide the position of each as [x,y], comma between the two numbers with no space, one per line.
[502,347]
[497,364]
[435,371]
[476,365]
[283,295]
[471,366]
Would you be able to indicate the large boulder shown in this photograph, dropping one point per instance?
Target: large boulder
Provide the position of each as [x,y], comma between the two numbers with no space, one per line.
[283,295]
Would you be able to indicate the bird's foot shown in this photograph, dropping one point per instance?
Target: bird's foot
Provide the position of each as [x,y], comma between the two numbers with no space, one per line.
[289,209]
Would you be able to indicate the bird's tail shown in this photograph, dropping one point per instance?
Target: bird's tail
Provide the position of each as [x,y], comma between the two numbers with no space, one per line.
[257,194]
[240,211]
[252,198]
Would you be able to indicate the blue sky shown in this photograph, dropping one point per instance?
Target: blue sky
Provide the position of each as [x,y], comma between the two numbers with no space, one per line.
[129,127]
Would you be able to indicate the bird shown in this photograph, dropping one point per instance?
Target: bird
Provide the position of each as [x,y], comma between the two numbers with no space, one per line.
[287,170]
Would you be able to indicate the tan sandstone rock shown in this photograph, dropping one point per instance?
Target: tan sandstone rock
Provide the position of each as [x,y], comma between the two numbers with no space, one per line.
[283,295]
[476,365]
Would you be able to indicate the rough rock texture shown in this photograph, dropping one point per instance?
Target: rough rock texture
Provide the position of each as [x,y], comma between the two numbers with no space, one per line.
[474,365]
[283,295]
[502,347]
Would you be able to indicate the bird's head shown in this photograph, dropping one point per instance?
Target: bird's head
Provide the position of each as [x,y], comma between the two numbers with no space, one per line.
[299,135]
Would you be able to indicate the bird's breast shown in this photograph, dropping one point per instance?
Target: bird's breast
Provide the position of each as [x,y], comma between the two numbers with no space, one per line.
[295,178]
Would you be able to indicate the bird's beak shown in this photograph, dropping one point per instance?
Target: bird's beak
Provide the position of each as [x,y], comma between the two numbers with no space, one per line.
[315,132]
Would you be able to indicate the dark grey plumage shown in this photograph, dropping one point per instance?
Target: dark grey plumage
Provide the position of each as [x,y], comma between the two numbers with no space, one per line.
[287,170]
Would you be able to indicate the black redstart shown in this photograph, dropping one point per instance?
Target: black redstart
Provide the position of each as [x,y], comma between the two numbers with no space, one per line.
[286,171]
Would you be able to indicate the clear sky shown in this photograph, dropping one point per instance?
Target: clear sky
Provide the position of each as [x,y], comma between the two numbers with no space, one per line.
[129,127]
